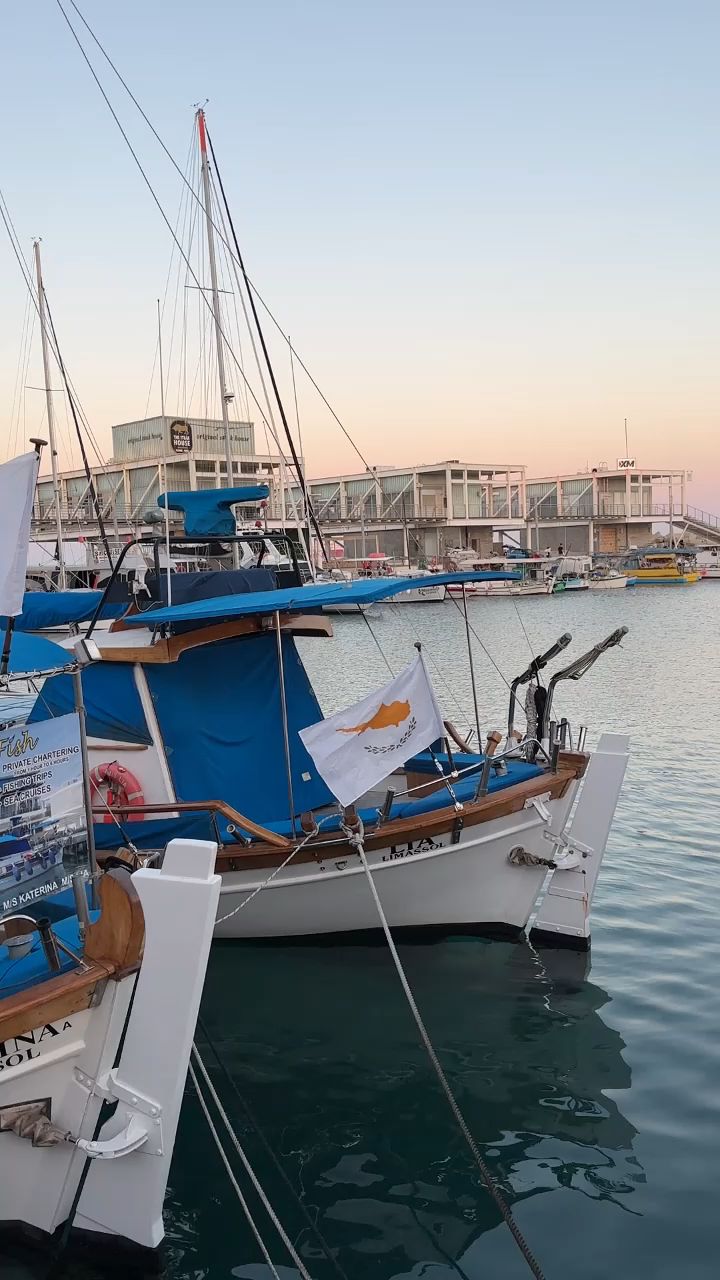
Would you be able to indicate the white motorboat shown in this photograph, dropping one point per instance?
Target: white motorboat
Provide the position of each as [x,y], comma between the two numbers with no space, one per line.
[380,566]
[605,578]
[707,562]
[533,574]
[102,1012]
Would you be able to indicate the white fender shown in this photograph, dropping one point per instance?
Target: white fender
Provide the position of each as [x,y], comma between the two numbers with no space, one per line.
[125,1195]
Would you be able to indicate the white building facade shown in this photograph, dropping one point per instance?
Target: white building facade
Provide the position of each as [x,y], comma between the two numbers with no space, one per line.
[420,512]
[150,456]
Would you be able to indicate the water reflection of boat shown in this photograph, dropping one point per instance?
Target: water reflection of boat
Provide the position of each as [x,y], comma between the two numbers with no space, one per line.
[353,1105]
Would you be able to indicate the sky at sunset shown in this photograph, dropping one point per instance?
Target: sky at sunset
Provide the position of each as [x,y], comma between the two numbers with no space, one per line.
[491,229]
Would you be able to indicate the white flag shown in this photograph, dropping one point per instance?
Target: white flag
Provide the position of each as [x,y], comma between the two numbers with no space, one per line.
[358,747]
[17,490]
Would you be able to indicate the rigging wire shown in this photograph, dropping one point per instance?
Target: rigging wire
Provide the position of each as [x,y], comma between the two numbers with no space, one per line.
[158,203]
[29,283]
[228,1169]
[397,611]
[184,202]
[81,442]
[20,370]
[247,1166]
[484,648]
[381,651]
[197,197]
[276,391]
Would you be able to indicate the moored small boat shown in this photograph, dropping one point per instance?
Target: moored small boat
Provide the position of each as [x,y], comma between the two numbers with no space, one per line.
[662,567]
[101,1008]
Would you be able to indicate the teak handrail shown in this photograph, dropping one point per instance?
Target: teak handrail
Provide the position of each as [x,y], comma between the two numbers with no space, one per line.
[205,806]
[113,948]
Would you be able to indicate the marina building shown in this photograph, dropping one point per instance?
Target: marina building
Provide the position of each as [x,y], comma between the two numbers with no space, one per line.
[607,509]
[148,457]
[417,512]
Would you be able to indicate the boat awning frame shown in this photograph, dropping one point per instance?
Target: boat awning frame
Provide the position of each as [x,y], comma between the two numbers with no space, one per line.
[305,599]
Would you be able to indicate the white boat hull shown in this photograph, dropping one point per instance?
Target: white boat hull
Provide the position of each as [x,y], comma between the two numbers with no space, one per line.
[470,885]
[502,589]
[614,583]
[419,595]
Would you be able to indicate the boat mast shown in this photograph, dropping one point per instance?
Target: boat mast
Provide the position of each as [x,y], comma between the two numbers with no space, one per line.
[50,414]
[205,168]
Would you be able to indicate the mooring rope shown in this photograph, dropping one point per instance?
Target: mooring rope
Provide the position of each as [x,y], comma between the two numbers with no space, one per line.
[228,1169]
[280,1168]
[355,838]
[246,1165]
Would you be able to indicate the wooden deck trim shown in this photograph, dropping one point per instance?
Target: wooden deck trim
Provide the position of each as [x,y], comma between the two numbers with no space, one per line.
[171,648]
[117,938]
[403,830]
[50,1001]
[113,949]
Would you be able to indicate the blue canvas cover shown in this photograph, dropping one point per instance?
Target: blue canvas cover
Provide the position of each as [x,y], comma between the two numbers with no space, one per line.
[44,609]
[34,653]
[154,833]
[220,716]
[112,702]
[208,512]
[305,599]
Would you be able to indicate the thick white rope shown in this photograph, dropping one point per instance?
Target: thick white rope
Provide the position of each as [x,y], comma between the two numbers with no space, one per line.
[248,1167]
[355,838]
[243,1202]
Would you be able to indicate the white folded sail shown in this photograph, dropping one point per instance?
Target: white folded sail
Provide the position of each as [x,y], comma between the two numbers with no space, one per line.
[17,490]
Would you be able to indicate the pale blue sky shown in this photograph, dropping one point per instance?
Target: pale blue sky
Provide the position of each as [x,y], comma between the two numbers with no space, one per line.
[492,230]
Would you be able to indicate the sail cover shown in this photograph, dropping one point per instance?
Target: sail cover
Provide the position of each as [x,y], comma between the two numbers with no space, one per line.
[112,703]
[17,490]
[220,716]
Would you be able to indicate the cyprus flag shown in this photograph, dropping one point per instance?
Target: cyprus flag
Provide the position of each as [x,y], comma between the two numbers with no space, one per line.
[355,749]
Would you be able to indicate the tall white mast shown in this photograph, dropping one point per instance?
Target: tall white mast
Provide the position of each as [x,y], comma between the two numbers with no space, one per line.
[215,294]
[50,414]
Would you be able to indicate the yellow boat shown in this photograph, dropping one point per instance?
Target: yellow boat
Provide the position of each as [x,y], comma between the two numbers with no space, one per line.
[661,567]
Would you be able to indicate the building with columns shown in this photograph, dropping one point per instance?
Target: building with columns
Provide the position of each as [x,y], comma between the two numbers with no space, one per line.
[416,512]
[421,511]
[604,509]
[148,457]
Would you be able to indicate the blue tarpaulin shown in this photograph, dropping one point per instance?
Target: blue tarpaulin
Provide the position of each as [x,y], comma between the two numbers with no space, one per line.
[220,716]
[35,653]
[208,512]
[44,609]
[304,599]
[112,702]
[154,833]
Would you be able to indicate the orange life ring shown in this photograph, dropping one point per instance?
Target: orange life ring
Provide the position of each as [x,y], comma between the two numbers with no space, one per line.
[123,789]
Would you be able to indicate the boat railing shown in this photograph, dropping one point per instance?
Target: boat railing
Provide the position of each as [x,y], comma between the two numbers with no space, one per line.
[177,542]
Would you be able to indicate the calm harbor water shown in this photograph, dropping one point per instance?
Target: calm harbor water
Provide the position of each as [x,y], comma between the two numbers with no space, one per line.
[591,1084]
